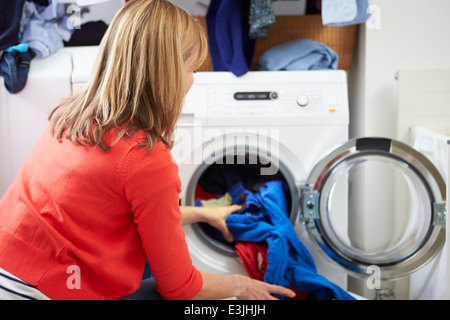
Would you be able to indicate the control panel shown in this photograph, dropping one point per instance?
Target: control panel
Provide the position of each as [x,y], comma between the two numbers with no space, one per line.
[288,96]
[276,100]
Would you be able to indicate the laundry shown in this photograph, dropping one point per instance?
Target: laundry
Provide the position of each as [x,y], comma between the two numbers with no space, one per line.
[219,178]
[224,200]
[300,54]
[11,13]
[260,19]
[90,34]
[254,258]
[32,29]
[45,28]
[345,12]
[21,47]
[313,6]
[14,67]
[289,262]
[88,2]
[201,194]
[230,47]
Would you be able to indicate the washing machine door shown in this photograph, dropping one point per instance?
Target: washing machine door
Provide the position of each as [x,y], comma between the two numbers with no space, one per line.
[375,203]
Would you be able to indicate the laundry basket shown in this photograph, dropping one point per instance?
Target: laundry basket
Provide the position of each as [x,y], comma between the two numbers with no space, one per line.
[287,28]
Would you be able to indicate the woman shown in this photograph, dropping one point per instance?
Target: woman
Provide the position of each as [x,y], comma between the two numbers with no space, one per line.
[99,192]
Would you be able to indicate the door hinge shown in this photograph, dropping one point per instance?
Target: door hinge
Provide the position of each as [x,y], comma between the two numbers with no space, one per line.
[309,204]
[440,212]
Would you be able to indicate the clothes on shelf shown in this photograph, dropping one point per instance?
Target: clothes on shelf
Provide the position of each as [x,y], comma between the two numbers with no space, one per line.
[261,17]
[45,28]
[29,29]
[301,54]
[10,14]
[233,28]
[230,46]
[39,28]
[90,34]
[345,12]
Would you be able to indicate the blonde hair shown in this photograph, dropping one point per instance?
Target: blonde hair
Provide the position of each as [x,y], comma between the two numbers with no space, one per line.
[137,82]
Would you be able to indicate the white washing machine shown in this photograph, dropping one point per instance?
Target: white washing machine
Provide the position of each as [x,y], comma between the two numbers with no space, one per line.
[294,126]
[23,116]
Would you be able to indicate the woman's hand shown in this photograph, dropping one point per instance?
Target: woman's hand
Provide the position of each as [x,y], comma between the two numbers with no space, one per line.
[251,289]
[215,216]
[239,286]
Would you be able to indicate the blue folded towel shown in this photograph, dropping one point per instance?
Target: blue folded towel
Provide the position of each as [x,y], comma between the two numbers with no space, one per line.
[301,54]
[289,261]
[345,12]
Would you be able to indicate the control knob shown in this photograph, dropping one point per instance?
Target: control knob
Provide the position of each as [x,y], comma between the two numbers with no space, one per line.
[302,100]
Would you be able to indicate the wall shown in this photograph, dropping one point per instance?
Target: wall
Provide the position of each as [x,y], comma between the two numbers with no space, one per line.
[407,34]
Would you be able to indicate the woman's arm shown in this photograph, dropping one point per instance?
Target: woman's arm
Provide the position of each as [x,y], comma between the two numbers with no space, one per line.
[214,216]
[239,286]
[228,286]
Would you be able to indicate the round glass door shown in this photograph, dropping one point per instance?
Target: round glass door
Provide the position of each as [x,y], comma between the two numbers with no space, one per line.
[376,202]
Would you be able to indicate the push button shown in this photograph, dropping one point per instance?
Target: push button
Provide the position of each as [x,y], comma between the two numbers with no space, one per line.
[302,100]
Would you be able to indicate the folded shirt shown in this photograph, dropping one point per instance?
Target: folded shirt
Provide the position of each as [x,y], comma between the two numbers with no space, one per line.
[345,12]
[300,54]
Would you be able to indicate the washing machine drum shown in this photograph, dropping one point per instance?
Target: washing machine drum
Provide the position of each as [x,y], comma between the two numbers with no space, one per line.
[375,203]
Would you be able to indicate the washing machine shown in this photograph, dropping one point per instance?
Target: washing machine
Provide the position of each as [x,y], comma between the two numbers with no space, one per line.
[24,115]
[372,208]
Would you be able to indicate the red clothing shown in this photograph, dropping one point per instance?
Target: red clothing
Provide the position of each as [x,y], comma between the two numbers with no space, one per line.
[254,257]
[103,212]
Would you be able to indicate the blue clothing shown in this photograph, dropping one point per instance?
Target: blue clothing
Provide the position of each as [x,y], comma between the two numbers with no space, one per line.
[14,67]
[45,28]
[10,15]
[260,19]
[345,12]
[289,261]
[301,54]
[21,47]
[230,47]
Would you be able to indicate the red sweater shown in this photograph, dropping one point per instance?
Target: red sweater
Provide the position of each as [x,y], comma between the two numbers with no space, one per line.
[103,212]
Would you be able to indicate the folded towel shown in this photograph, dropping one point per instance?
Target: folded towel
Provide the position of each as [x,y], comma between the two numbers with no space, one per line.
[345,12]
[289,261]
[301,54]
